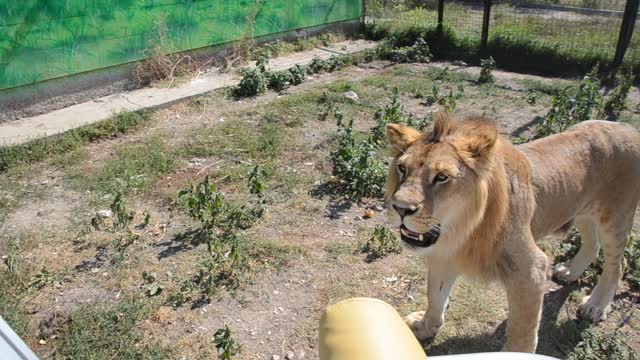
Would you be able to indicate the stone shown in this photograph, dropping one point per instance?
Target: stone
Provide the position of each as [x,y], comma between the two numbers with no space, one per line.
[289,355]
[351,96]
[105,214]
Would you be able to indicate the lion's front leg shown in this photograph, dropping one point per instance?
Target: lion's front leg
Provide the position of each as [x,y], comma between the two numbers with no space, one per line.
[525,293]
[425,324]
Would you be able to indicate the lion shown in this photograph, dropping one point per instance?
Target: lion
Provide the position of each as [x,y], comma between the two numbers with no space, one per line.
[470,203]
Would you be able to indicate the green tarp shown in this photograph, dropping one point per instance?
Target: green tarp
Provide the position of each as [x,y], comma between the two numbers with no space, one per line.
[45,39]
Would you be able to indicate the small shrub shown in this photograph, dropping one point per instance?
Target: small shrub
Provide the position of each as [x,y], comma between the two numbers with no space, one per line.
[420,124]
[298,75]
[486,75]
[448,101]
[567,110]
[219,223]
[616,102]
[381,243]
[316,66]
[419,52]
[254,82]
[355,162]
[392,113]
[226,345]
[279,80]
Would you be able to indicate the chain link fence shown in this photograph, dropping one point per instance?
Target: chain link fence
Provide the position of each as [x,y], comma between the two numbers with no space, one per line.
[575,29]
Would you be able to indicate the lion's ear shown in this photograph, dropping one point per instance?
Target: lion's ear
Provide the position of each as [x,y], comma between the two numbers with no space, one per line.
[401,137]
[481,140]
[441,125]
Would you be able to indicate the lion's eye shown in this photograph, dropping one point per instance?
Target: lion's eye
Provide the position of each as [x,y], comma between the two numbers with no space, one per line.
[440,178]
[402,170]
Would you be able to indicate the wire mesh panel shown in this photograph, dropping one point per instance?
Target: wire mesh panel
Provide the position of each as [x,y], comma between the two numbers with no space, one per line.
[590,28]
[465,17]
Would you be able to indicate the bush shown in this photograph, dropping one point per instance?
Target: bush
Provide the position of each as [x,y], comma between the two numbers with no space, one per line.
[355,162]
[419,52]
[486,76]
[567,110]
[616,102]
[381,243]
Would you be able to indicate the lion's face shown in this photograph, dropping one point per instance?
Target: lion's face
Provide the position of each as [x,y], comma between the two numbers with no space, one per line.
[437,183]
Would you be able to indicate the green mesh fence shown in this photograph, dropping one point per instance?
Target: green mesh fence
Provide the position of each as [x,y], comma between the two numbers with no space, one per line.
[45,39]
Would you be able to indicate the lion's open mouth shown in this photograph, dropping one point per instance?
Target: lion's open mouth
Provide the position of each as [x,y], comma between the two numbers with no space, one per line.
[420,240]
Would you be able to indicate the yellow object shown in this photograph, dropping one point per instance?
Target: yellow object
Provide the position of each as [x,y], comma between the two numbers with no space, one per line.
[366,329]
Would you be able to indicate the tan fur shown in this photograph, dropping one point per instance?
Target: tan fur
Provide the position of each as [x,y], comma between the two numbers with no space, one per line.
[499,199]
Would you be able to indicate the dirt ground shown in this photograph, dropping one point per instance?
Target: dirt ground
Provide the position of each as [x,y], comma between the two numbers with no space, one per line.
[309,233]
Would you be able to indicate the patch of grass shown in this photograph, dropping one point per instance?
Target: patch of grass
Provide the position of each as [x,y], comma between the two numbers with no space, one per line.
[134,167]
[235,139]
[14,286]
[549,88]
[109,332]
[381,243]
[41,149]
[272,254]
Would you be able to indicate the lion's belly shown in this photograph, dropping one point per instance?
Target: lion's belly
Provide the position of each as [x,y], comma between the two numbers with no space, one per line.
[580,170]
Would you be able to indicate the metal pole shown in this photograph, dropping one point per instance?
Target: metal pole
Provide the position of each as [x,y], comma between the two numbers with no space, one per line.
[486,18]
[440,14]
[626,30]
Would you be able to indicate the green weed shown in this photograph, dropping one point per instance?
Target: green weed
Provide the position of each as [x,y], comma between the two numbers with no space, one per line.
[226,345]
[616,102]
[596,345]
[392,113]
[567,110]
[355,162]
[380,244]
[486,73]
[419,52]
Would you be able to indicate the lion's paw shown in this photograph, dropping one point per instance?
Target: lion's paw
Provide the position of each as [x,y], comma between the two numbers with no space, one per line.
[564,273]
[423,328]
[593,309]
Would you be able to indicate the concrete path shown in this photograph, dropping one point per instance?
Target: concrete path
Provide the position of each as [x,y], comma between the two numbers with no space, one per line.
[23,130]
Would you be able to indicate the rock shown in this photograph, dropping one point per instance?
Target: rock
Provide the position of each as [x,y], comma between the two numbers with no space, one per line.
[378,208]
[289,355]
[275,357]
[301,354]
[351,96]
[459,63]
[105,214]
[368,214]
[40,213]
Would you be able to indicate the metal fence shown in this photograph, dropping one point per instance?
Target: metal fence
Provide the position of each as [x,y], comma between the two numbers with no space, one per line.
[602,29]
[46,39]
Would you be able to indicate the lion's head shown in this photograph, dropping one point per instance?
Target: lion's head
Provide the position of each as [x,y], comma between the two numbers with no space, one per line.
[437,187]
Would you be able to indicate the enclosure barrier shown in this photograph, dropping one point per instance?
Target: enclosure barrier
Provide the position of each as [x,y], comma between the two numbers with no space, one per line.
[43,39]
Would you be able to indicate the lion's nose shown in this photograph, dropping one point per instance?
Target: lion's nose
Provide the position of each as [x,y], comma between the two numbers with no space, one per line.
[405,211]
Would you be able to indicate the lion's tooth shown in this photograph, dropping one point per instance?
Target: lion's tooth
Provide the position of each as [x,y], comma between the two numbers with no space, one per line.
[420,237]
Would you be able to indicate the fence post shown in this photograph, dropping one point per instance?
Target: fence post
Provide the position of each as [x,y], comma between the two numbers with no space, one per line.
[364,12]
[486,18]
[626,30]
[440,15]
